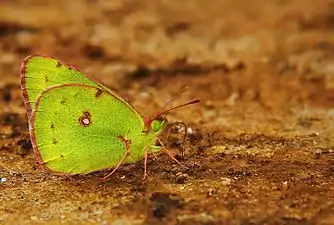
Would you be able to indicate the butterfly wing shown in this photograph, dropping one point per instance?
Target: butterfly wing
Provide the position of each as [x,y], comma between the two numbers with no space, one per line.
[77,128]
[41,72]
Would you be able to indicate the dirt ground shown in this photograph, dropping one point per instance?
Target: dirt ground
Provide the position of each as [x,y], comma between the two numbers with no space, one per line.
[261,146]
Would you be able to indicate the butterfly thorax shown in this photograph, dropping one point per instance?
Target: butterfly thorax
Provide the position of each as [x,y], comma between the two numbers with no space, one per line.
[153,126]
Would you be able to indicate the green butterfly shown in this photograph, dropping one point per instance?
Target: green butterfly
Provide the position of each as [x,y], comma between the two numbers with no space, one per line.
[78,126]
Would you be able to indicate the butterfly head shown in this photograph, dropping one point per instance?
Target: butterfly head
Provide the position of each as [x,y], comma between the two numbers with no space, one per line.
[155,124]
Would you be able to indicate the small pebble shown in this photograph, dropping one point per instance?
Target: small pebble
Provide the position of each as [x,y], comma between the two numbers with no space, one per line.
[226,181]
[3,180]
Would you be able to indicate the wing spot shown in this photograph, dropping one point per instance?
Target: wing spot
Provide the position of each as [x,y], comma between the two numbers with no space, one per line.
[85,119]
[58,64]
[46,78]
[54,141]
[63,101]
[52,126]
[98,92]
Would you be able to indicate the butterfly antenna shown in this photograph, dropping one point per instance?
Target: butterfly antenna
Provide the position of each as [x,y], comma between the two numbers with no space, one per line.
[174,97]
[163,109]
[179,106]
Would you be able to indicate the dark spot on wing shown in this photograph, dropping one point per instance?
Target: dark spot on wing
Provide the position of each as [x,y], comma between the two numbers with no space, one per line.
[85,119]
[63,101]
[59,64]
[54,141]
[61,156]
[52,126]
[98,92]
[46,78]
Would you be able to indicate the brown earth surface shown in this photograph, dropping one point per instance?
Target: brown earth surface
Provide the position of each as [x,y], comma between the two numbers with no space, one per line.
[261,146]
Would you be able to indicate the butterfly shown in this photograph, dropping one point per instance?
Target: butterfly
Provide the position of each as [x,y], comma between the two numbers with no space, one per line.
[78,125]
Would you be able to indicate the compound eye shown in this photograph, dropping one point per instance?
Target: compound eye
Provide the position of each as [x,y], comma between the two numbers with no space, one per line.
[157,125]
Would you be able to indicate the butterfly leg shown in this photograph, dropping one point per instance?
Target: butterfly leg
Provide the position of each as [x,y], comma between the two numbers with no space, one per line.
[145,162]
[169,153]
[127,143]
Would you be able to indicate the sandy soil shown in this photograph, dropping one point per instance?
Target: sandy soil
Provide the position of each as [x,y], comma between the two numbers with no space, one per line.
[261,150]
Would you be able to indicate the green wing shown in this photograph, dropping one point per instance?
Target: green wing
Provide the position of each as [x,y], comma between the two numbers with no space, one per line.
[41,72]
[77,128]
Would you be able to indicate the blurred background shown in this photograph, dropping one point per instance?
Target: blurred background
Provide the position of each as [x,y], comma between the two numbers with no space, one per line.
[260,147]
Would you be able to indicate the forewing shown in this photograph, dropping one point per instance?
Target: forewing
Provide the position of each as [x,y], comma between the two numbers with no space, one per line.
[39,73]
[79,128]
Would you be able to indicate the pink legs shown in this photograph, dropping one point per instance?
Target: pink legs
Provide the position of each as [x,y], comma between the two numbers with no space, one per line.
[170,154]
[166,151]
[145,163]
[126,153]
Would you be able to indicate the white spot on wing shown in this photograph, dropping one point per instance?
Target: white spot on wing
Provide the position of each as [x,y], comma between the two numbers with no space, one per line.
[86,121]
